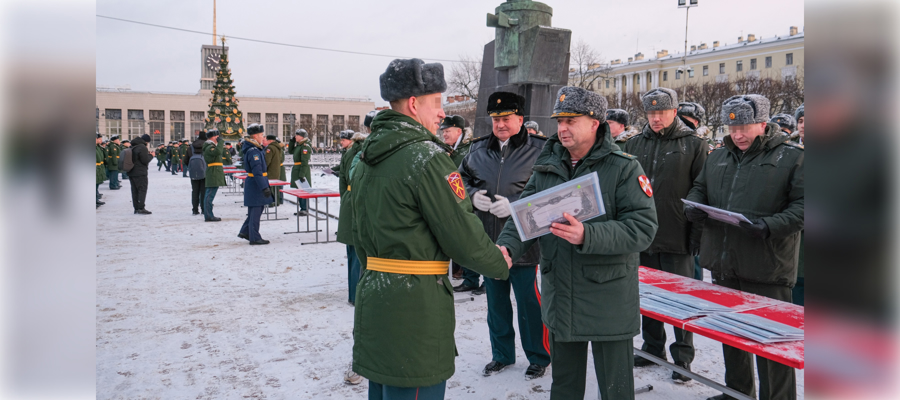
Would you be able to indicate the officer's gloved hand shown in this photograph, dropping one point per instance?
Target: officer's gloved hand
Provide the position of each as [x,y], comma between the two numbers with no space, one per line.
[695,249]
[757,229]
[480,201]
[267,192]
[695,214]
[500,208]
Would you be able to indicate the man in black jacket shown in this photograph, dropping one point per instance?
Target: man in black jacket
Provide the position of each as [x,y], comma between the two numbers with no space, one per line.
[672,156]
[494,173]
[138,175]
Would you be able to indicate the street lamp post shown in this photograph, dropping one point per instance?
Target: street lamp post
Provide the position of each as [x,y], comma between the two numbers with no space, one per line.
[686,4]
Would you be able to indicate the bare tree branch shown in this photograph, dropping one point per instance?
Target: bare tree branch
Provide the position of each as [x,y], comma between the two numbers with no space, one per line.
[465,77]
[588,66]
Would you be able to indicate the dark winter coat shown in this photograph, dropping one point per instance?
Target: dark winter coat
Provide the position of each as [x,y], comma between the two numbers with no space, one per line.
[255,164]
[213,155]
[141,157]
[764,182]
[502,172]
[112,156]
[301,153]
[345,231]
[193,158]
[671,160]
[589,292]
[101,168]
[275,160]
[406,209]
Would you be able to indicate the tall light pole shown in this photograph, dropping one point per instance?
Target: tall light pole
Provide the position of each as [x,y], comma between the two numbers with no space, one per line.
[686,4]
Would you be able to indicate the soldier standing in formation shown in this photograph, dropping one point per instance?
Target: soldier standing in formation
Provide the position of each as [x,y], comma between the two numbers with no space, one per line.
[160,157]
[275,163]
[351,142]
[257,193]
[412,215]
[300,149]
[101,170]
[455,135]
[617,119]
[112,162]
[213,150]
[759,173]
[786,122]
[589,270]
[671,156]
[494,172]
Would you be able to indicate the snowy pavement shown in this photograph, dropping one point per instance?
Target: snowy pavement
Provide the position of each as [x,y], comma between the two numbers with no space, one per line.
[186,310]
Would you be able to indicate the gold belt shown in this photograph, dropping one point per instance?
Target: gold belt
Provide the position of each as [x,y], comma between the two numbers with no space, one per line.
[407,266]
[99,163]
[264,174]
[215,164]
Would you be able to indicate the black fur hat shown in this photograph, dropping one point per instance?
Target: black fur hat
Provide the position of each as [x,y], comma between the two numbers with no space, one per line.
[455,121]
[410,78]
[254,129]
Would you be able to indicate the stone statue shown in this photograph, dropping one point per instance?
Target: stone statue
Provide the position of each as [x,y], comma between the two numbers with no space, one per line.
[528,57]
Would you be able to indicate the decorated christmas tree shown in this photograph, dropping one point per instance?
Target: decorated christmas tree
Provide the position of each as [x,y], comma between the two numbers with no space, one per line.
[224,114]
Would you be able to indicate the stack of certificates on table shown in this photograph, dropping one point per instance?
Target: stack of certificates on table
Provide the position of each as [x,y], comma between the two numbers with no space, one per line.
[751,327]
[675,305]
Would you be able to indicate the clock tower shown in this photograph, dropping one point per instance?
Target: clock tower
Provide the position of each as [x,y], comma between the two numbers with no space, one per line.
[209,65]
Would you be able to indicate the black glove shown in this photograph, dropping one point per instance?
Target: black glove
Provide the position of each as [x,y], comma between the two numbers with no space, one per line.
[267,192]
[695,214]
[757,229]
[695,249]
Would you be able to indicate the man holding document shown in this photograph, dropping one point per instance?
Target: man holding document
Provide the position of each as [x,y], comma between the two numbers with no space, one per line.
[589,275]
[758,174]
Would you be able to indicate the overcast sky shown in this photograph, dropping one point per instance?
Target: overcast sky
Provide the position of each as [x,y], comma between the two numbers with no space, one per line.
[154,59]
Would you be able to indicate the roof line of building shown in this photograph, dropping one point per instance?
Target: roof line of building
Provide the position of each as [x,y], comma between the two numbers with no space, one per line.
[320,98]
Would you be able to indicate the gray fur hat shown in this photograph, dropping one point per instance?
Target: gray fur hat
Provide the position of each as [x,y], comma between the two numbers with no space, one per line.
[346,134]
[693,110]
[301,132]
[660,99]
[745,110]
[572,101]
[785,121]
[409,78]
[618,115]
[532,125]
[799,113]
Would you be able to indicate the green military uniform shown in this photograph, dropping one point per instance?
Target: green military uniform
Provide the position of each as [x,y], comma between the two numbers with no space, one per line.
[226,157]
[412,215]
[590,291]
[212,154]
[101,170]
[301,153]
[275,165]
[160,157]
[345,223]
[112,164]
[460,152]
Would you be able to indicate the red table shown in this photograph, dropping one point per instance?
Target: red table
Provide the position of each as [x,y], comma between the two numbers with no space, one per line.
[313,194]
[788,353]
[272,182]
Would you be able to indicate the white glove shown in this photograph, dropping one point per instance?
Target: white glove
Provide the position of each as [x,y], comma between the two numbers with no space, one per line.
[480,201]
[500,208]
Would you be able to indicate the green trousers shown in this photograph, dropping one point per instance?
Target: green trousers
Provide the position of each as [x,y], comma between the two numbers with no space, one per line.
[613,362]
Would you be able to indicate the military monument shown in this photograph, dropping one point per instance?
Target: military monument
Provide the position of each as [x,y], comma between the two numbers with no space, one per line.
[528,57]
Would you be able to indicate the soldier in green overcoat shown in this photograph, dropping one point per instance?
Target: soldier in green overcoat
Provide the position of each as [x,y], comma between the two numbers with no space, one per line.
[213,149]
[112,162]
[300,149]
[101,171]
[411,216]
[589,269]
[275,162]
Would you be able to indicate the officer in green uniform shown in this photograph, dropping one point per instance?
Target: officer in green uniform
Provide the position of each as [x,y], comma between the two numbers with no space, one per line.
[275,162]
[226,155]
[589,270]
[672,156]
[351,142]
[453,130]
[160,157]
[101,171]
[213,149]
[112,162]
[183,151]
[412,215]
[758,173]
[300,149]
[799,293]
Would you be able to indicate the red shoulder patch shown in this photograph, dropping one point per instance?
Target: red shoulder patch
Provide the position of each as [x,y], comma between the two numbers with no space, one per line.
[645,185]
[456,185]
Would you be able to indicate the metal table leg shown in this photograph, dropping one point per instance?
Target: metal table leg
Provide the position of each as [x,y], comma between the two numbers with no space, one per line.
[699,378]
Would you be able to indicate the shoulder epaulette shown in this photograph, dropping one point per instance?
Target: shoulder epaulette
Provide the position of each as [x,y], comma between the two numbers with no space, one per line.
[793,144]
[536,136]
[624,155]
[480,138]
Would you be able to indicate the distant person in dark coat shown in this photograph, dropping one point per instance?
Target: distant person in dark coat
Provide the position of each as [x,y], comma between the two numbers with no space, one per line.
[141,158]
[257,193]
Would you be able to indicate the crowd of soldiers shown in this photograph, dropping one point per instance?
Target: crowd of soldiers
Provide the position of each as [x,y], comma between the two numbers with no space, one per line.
[421,196]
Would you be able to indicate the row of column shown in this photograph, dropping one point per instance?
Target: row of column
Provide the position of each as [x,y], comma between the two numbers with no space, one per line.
[627,81]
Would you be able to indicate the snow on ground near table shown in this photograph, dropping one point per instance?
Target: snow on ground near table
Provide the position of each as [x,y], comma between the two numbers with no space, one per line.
[185,309]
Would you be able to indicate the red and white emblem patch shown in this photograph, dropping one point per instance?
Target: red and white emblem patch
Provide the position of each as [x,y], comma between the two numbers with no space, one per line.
[645,185]
[456,185]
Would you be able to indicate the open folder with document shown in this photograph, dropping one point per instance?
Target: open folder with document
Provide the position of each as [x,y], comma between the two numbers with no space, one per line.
[719,214]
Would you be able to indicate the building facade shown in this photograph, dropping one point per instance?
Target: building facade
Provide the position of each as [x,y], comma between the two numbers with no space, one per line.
[776,57]
[173,116]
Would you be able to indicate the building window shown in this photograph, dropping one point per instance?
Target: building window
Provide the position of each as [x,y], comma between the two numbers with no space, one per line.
[665,76]
[705,70]
[113,122]
[607,83]
[677,74]
[752,64]
[135,123]
[271,124]
[769,62]
[637,79]
[691,73]
[198,121]
[253,118]
[176,130]
[789,59]
[287,129]
[353,123]
[721,68]
[157,127]
[739,66]
[306,122]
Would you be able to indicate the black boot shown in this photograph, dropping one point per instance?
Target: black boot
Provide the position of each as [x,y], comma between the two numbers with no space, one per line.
[678,376]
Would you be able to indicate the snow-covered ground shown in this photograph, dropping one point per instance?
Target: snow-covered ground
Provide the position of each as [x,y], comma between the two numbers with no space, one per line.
[186,310]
